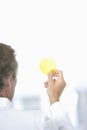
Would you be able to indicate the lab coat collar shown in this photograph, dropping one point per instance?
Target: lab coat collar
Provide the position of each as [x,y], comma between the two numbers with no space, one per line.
[5,102]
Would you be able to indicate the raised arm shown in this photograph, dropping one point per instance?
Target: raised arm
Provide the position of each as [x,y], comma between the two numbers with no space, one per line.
[55,86]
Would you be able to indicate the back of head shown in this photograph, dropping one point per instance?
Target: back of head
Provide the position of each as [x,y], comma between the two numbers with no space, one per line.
[8,63]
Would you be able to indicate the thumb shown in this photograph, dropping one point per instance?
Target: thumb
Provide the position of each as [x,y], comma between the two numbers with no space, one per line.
[59,74]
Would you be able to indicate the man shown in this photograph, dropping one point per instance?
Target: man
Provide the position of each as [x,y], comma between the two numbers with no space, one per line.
[11,119]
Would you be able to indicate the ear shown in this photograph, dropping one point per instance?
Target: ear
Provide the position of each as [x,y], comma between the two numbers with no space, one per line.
[9,81]
[9,91]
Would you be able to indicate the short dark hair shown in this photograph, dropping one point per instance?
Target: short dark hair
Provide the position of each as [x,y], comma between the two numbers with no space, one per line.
[8,63]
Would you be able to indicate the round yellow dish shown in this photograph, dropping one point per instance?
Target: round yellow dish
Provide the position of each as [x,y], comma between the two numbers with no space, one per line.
[47,65]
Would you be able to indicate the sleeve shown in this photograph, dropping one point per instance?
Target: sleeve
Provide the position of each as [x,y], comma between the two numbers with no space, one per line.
[60,117]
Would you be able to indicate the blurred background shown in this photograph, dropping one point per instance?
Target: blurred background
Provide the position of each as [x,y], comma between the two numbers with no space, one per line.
[48,28]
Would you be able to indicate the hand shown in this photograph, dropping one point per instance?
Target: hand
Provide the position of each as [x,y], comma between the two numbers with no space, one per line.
[55,86]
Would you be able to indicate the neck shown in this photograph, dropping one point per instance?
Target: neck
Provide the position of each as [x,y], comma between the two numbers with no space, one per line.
[3,93]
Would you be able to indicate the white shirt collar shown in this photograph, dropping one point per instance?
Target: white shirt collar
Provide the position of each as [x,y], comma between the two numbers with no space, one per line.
[5,102]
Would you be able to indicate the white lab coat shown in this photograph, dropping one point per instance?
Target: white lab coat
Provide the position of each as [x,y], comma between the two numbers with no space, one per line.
[11,119]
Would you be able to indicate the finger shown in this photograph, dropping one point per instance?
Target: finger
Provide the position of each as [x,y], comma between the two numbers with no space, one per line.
[59,74]
[50,77]
[46,84]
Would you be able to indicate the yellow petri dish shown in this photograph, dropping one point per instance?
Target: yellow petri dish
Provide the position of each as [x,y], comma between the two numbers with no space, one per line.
[47,65]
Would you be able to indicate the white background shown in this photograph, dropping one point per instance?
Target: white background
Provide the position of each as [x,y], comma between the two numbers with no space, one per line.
[42,28]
